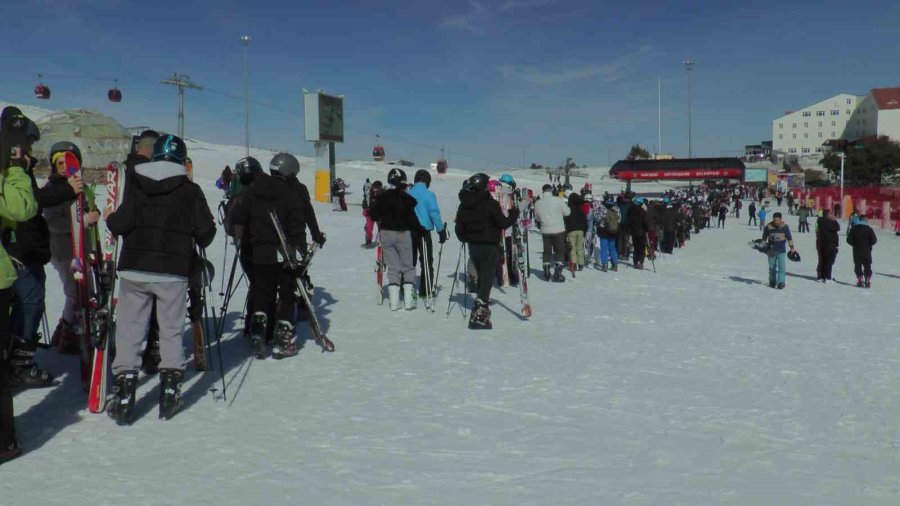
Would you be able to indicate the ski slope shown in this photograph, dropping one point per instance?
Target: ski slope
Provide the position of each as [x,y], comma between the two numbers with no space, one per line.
[694,385]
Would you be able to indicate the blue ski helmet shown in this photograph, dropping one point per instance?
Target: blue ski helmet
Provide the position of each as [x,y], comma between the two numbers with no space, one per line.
[507,179]
[169,148]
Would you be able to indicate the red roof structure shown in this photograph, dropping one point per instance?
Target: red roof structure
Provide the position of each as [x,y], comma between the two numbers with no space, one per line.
[886,98]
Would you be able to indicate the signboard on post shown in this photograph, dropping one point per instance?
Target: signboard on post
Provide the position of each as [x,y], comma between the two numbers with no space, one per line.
[324,124]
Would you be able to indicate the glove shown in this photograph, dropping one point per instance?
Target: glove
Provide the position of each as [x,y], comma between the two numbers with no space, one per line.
[320,239]
[442,236]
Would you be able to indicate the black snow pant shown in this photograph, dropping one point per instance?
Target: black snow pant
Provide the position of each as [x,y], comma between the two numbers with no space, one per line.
[803,227]
[668,241]
[862,263]
[639,241]
[721,223]
[554,248]
[271,281]
[484,259]
[429,257]
[7,418]
[752,220]
[826,262]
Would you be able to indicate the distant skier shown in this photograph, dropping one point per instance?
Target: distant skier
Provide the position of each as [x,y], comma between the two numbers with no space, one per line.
[827,228]
[160,220]
[669,222]
[338,195]
[638,226]
[777,234]
[751,210]
[394,210]
[549,212]
[479,223]
[429,214]
[762,217]
[723,213]
[861,237]
[607,231]
[803,213]
[576,228]
[369,228]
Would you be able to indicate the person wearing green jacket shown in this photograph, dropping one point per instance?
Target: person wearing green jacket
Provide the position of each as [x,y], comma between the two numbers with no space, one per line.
[17,203]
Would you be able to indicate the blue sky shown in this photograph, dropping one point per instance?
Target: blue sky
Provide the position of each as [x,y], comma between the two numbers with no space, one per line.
[495,82]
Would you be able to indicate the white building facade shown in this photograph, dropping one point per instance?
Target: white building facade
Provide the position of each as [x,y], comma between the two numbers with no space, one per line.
[878,114]
[803,132]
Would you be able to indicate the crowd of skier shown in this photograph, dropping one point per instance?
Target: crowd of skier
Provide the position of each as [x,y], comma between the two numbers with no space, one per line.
[152,270]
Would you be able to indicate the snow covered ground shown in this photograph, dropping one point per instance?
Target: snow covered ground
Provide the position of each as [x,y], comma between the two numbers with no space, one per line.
[693,385]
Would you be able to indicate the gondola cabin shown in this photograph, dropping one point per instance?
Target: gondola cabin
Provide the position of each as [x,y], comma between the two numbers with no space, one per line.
[442,166]
[42,91]
[114,95]
[378,153]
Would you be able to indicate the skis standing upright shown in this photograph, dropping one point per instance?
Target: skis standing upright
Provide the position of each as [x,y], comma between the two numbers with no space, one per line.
[78,268]
[298,269]
[196,297]
[104,320]
[380,268]
[519,241]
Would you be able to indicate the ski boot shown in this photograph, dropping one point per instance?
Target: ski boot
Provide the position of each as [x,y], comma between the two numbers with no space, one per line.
[258,326]
[284,341]
[579,267]
[859,281]
[558,275]
[409,297]
[170,400]
[480,318]
[394,296]
[151,357]
[24,373]
[547,276]
[868,282]
[603,267]
[780,286]
[124,388]
[615,268]
[66,339]
[10,451]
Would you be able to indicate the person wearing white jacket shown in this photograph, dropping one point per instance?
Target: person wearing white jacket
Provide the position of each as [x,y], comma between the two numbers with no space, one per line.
[549,213]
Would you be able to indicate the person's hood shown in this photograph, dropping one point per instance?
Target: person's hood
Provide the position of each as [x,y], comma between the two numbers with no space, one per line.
[160,178]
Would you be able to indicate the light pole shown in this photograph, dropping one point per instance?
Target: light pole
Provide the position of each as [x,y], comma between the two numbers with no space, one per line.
[689,66]
[245,39]
[842,155]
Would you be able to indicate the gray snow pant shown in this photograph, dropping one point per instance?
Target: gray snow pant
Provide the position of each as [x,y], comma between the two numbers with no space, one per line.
[398,255]
[133,319]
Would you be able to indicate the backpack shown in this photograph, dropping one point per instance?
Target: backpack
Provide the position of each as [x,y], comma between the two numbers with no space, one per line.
[612,221]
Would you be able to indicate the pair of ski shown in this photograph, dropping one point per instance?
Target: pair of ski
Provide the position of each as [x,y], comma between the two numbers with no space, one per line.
[299,269]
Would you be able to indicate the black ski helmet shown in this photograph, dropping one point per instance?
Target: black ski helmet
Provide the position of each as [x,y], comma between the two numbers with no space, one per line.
[422,176]
[63,146]
[479,182]
[246,169]
[285,164]
[793,256]
[396,177]
[169,148]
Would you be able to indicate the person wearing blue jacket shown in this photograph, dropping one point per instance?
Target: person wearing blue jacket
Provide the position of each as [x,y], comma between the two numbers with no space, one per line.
[429,215]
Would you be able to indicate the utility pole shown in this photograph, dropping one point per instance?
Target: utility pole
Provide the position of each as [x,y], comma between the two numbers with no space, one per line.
[659,115]
[689,66]
[181,81]
[245,39]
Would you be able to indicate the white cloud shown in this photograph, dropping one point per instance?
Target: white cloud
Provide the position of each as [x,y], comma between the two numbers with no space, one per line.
[475,18]
[575,71]
[510,5]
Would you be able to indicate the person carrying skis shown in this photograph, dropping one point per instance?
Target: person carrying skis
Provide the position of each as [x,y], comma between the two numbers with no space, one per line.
[59,224]
[245,171]
[369,228]
[29,243]
[479,223]
[637,226]
[161,220]
[550,212]
[394,211]
[576,227]
[17,205]
[777,234]
[272,292]
[607,232]
[429,215]
[827,240]
[862,238]
[288,166]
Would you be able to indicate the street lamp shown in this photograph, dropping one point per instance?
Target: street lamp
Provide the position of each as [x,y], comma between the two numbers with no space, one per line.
[245,39]
[689,66]
[842,155]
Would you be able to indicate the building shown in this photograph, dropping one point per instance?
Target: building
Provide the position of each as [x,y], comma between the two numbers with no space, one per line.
[803,132]
[878,114]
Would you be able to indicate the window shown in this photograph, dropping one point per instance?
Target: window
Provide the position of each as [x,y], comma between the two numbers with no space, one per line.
[804,150]
[818,150]
[820,113]
[820,124]
[805,124]
[849,101]
[835,112]
[792,150]
[807,114]
[794,136]
[793,125]
[848,111]
[834,123]
[780,136]
[833,136]
[820,136]
[806,136]
[781,125]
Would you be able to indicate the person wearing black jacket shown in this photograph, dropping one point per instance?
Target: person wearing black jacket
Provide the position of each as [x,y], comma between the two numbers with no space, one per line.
[162,219]
[827,228]
[861,237]
[576,228]
[479,224]
[669,223]
[272,292]
[394,211]
[29,243]
[637,226]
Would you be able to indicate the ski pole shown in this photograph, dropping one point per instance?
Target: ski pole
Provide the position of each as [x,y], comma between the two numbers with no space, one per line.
[426,272]
[208,286]
[455,279]
[437,272]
